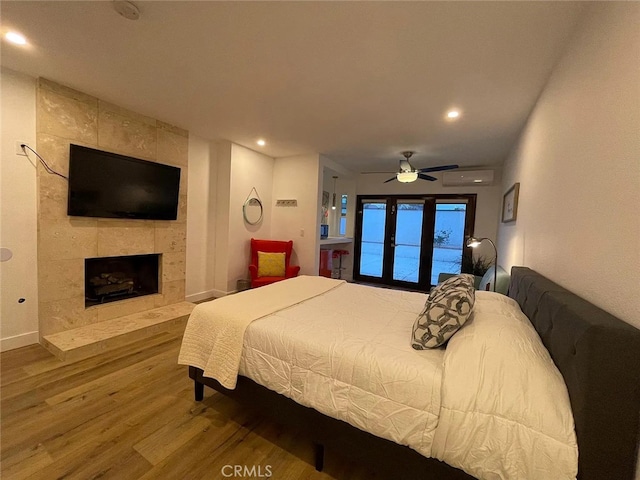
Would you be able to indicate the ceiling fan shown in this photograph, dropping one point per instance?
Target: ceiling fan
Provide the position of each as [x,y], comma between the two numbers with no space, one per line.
[408,173]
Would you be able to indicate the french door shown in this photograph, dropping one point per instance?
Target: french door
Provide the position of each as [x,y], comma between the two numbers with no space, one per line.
[408,241]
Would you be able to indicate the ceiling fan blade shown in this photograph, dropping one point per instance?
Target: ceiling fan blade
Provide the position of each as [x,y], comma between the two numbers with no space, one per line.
[390,180]
[437,169]
[427,177]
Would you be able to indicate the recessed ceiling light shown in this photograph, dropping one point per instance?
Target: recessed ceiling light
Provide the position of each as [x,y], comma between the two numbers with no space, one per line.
[261,142]
[15,38]
[453,114]
[477,180]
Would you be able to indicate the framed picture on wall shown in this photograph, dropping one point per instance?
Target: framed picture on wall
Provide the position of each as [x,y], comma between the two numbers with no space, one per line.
[510,204]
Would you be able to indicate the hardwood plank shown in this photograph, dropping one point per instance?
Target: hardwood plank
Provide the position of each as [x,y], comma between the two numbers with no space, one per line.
[112,383]
[19,357]
[27,463]
[33,389]
[79,406]
[164,441]
[130,414]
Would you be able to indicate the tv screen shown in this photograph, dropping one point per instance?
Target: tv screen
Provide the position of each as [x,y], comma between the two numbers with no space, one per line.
[109,185]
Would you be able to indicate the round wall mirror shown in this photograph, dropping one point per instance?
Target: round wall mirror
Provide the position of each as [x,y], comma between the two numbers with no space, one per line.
[252,211]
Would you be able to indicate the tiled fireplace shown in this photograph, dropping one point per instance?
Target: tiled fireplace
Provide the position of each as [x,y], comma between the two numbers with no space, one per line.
[68,245]
[109,279]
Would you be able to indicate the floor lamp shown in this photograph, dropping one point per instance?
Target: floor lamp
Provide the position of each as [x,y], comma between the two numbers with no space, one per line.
[473,242]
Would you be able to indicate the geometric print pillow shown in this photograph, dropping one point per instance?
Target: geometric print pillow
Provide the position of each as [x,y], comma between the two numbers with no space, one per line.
[463,281]
[454,281]
[446,310]
[271,264]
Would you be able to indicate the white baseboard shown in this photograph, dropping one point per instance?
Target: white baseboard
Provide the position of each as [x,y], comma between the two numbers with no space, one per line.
[17,341]
[196,297]
[222,293]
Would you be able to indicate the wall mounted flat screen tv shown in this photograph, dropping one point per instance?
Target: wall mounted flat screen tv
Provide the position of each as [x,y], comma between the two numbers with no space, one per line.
[108,185]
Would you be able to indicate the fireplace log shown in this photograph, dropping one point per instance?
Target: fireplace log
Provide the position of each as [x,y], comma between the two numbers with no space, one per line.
[114,288]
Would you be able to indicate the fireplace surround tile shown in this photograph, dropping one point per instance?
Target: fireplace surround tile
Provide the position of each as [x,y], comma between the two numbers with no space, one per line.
[182,208]
[83,342]
[109,107]
[56,151]
[126,133]
[172,292]
[60,279]
[63,116]
[173,267]
[67,239]
[45,84]
[52,201]
[172,148]
[125,237]
[65,314]
[171,237]
[172,128]
[124,307]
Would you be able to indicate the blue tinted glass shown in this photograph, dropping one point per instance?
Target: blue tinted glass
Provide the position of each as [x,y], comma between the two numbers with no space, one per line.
[448,238]
[408,241]
[372,243]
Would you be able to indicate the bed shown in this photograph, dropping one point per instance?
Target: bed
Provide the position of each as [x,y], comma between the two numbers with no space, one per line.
[596,354]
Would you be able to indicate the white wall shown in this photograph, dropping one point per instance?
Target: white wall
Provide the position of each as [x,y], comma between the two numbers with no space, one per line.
[488,201]
[201,219]
[578,165]
[249,169]
[299,178]
[222,189]
[18,213]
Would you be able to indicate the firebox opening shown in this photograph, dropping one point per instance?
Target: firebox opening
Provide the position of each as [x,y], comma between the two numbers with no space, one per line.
[109,279]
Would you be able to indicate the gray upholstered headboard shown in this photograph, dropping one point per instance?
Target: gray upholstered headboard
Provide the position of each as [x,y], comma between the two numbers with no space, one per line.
[599,358]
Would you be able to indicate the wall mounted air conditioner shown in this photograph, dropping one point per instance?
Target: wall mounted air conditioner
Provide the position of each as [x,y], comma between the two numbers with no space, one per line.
[456,178]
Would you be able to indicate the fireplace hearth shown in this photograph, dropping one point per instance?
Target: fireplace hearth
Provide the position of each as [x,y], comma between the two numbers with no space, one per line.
[109,279]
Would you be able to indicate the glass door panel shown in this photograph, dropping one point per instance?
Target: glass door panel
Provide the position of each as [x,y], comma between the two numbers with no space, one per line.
[374,217]
[448,239]
[407,242]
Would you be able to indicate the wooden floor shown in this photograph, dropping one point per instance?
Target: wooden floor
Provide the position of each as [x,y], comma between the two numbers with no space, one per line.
[130,414]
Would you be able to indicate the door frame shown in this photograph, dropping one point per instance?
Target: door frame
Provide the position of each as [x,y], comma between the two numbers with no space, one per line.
[428,226]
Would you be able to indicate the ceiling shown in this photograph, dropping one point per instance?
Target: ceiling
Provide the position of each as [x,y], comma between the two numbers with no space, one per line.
[356,81]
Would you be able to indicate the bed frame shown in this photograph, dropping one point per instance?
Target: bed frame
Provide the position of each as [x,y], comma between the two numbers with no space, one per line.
[597,354]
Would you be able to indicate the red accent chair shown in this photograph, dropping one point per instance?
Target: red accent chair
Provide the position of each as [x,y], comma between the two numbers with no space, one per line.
[271,246]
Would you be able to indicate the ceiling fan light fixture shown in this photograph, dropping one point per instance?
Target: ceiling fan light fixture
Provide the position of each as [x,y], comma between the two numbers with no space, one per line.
[407,177]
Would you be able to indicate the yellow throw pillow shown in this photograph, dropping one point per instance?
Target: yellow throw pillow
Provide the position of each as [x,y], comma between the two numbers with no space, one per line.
[270,264]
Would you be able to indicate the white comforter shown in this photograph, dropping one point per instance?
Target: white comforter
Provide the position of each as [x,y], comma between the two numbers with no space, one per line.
[492,404]
[213,338]
[345,354]
[505,409]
